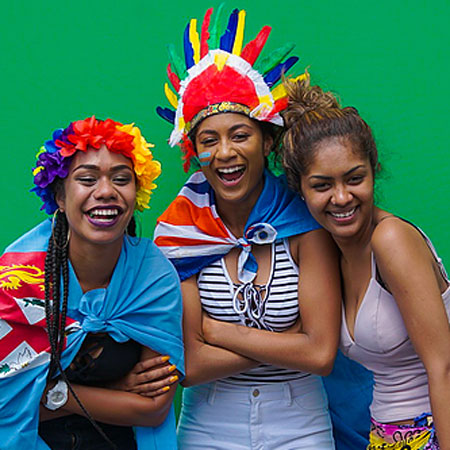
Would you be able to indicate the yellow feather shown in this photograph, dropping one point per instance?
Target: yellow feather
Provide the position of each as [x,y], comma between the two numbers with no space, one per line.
[279,92]
[195,40]
[301,77]
[220,59]
[171,96]
[237,47]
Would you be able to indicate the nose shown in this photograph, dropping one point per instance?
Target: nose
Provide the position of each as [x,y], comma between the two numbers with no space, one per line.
[105,189]
[225,150]
[341,196]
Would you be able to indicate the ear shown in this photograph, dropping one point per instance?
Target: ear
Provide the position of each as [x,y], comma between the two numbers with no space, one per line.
[268,142]
[60,199]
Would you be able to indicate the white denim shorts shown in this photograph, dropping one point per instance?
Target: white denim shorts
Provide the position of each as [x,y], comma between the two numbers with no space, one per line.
[279,416]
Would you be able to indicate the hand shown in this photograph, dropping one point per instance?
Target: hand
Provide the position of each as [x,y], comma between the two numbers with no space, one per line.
[150,377]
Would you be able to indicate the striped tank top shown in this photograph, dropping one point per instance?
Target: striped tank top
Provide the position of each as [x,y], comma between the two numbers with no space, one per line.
[272,307]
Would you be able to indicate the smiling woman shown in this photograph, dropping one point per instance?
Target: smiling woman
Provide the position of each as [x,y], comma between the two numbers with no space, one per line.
[91,313]
[396,309]
[98,196]
[254,266]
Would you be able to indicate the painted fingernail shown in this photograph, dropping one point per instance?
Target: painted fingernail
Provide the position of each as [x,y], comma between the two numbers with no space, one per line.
[165,388]
[165,358]
[172,368]
[173,379]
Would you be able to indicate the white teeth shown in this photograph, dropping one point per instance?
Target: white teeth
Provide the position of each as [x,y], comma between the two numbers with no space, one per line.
[104,212]
[343,215]
[230,169]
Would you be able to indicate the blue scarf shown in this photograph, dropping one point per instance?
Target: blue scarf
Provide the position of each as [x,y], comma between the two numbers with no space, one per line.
[192,235]
[142,302]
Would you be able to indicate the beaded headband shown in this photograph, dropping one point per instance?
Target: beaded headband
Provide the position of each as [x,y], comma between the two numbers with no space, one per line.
[218,76]
[55,156]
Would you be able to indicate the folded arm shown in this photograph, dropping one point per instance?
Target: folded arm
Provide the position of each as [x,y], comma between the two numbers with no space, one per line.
[117,406]
[204,361]
[314,347]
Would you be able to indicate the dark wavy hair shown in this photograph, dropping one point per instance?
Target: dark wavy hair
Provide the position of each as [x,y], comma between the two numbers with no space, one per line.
[314,116]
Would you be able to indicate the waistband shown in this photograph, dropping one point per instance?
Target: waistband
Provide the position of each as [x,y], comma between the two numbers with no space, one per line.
[283,391]
[418,436]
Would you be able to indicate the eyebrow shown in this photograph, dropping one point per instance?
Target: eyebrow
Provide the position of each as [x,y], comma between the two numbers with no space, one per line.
[323,177]
[233,128]
[117,168]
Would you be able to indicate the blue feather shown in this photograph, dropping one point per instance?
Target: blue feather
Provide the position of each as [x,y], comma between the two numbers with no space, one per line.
[188,50]
[275,74]
[167,114]
[227,39]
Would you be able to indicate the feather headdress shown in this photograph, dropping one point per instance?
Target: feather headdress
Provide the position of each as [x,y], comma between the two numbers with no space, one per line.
[219,75]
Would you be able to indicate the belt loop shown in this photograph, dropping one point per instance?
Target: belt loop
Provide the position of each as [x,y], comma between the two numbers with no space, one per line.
[287,393]
[212,393]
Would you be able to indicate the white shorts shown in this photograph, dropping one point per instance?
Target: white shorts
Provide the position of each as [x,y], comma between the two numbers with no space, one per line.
[279,416]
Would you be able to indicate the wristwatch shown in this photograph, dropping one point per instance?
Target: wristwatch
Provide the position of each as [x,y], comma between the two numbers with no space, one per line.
[57,396]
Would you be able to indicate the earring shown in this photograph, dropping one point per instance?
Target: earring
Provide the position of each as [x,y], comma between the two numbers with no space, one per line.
[54,223]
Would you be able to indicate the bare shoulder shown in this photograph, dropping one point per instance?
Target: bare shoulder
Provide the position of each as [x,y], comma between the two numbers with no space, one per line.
[397,241]
[318,240]
[392,233]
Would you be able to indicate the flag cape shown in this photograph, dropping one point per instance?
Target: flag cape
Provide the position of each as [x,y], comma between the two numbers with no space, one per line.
[192,235]
[142,302]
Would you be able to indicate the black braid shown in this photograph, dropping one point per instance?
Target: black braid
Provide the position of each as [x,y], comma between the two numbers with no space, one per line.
[56,261]
[131,229]
[64,267]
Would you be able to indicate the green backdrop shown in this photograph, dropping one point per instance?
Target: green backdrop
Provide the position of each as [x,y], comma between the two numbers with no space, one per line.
[63,61]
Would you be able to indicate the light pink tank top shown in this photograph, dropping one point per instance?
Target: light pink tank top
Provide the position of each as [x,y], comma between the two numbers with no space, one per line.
[382,345]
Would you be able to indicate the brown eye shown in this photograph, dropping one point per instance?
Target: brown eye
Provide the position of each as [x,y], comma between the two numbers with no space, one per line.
[321,186]
[86,180]
[239,137]
[356,179]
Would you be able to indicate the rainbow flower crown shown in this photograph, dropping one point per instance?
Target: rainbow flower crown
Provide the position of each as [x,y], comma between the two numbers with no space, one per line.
[55,156]
[218,75]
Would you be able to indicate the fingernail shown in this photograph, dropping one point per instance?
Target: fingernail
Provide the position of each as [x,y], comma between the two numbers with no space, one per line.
[172,368]
[165,358]
[165,388]
[173,379]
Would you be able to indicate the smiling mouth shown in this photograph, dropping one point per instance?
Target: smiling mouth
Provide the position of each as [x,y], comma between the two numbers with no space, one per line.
[343,215]
[104,216]
[230,174]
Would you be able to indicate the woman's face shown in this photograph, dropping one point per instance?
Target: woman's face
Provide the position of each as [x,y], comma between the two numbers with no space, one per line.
[232,150]
[338,188]
[99,196]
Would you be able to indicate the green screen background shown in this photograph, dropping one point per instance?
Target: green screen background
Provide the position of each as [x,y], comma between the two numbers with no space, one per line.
[64,61]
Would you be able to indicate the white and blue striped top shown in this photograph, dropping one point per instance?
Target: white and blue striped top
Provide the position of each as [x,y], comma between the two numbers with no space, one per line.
[273,306]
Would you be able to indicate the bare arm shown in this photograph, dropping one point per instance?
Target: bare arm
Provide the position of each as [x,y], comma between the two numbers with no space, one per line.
[117,407]
[314,347]
[204,362]
[407,266]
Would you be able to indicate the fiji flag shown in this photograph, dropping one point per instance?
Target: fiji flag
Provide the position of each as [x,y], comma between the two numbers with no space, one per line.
[24,346]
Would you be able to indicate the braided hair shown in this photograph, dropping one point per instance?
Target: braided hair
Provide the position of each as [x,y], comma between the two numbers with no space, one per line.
[56,264]
[314,116]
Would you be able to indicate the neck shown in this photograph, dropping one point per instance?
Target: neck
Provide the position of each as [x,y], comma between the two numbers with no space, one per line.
[235,218]
[94,264]
[235,214]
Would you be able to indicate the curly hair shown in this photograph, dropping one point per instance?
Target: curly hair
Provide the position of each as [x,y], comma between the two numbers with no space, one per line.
[314,116]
